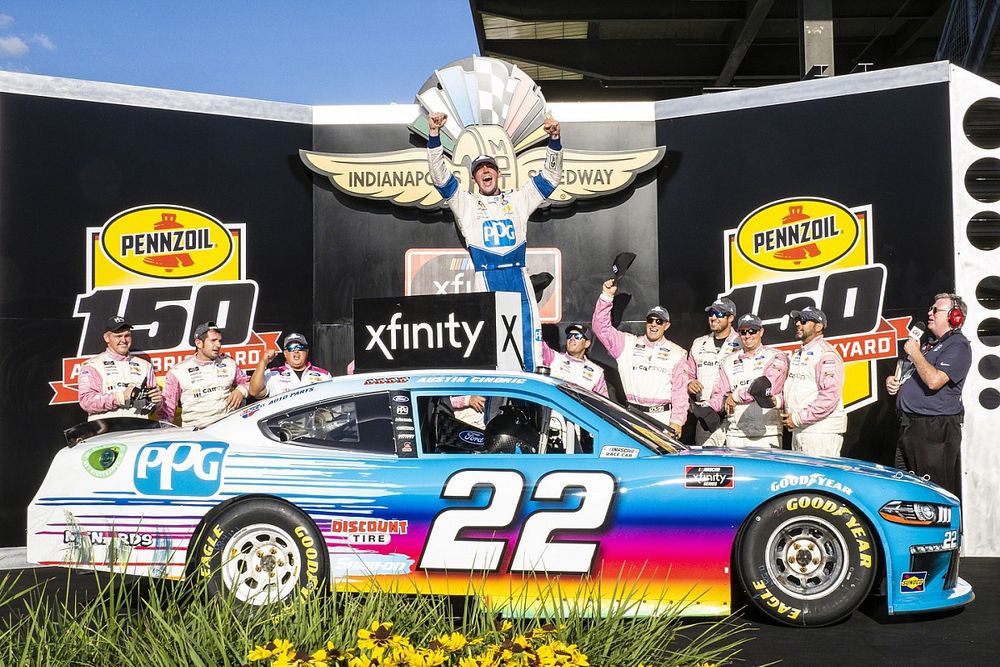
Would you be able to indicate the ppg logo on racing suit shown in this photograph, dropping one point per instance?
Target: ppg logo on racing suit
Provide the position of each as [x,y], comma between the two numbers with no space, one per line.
[179,468]
[498,233]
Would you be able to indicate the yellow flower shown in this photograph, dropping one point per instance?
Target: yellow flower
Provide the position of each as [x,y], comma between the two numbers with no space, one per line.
[452,643]
[276,648]
[558,653]
[363,661]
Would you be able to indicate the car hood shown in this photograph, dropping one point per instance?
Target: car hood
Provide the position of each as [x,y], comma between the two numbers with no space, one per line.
[821,462]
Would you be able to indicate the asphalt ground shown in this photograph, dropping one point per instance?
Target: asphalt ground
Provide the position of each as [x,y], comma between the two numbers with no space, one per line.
[966,636]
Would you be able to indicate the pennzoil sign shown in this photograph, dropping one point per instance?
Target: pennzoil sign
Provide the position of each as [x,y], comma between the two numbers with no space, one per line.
[810,251]
[167,242]
[797,234]
[165,268]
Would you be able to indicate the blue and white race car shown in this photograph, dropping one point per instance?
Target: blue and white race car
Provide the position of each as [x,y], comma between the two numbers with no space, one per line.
[379,480]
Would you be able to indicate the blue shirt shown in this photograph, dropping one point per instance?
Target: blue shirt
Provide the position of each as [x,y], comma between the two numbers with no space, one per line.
[952,354]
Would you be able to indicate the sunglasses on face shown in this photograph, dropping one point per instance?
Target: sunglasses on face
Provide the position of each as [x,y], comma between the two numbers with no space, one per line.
[654,320]
[749,332]
[295,347]
[575,335]
[717,314]
[803,321]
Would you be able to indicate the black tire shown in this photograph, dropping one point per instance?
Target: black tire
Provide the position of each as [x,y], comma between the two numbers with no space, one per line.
[807,560]
[261,552]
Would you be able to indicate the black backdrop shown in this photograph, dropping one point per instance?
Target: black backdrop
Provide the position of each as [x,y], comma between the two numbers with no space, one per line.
[66,165]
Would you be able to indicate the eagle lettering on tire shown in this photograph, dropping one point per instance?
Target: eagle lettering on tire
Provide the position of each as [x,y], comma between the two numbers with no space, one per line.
[807,559]
[261,552]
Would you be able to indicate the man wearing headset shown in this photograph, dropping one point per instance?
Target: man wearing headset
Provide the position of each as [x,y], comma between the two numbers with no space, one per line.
[929,396]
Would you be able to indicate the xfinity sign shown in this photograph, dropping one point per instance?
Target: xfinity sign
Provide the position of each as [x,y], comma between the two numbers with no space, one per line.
[475,330]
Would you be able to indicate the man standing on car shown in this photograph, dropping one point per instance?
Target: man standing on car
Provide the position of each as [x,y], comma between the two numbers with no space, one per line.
[929,396]
[297,371]
[574,365]
[208,384]
[749,387]
[653,369]
[813,393]
[707,352]
[494,223]
[108,381]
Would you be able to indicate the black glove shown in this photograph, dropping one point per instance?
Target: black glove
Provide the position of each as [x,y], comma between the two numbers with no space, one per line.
[760,389]
[709,418]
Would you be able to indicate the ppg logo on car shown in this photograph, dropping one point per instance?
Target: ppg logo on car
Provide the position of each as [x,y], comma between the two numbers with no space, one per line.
[498,233]
[179,468]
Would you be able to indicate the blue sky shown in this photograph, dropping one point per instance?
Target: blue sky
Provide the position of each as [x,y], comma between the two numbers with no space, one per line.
[302,51]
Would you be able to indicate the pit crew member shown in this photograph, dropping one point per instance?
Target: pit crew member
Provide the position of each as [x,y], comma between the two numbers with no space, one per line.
[297,371]
[653,369]
[749,389]
[494,223]
[706,353]
[207,385]
[574,365]
[108,381]
[814,405]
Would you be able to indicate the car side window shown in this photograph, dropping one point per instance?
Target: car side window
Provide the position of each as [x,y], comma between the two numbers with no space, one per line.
[498,425]
[358,423]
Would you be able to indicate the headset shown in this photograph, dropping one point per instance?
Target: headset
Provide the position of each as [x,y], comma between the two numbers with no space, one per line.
[956,315]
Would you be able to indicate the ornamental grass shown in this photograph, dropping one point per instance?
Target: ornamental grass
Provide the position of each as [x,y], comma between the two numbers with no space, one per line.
[128,621]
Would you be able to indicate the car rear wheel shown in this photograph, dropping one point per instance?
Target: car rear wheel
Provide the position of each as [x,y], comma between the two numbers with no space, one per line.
[261,552]
[807,560]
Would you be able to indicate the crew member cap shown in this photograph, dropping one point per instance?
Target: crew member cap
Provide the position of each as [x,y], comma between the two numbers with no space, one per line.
[809,314]
[749,321]
[723,306]
[582,329]
[659,311]
[296,338]
[481,160]
[202,329]
[117,324]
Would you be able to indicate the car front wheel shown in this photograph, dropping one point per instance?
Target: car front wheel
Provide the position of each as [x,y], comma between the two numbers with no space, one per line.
[807,560]
[261,552]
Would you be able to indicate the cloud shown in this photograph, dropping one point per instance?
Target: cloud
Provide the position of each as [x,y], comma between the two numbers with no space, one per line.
[43,41]
[6,20]
[13,47]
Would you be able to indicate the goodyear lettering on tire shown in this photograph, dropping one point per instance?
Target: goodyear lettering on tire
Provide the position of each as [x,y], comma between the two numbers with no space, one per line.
[312,560]
[839,510]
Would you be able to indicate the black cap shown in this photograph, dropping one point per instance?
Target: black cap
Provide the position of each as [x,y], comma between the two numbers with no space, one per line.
[117,324]
[750,321]
[582,329]
[723,305]
[659,311]
[809,314]
[202,329]
[295,338]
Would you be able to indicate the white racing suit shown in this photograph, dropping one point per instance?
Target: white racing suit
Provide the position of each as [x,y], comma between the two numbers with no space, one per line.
[751,425]
[103,380]
[202,388]
[284,378]
[814,397]
[703,363]
[495,232]
[654,375]
[583,372]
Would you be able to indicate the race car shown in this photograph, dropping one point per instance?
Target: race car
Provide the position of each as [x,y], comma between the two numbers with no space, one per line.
[548,492]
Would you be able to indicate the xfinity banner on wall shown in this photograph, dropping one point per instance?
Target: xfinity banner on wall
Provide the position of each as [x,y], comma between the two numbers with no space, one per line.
[477,330]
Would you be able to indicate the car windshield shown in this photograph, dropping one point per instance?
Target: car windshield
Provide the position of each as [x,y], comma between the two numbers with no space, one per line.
[633,423]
